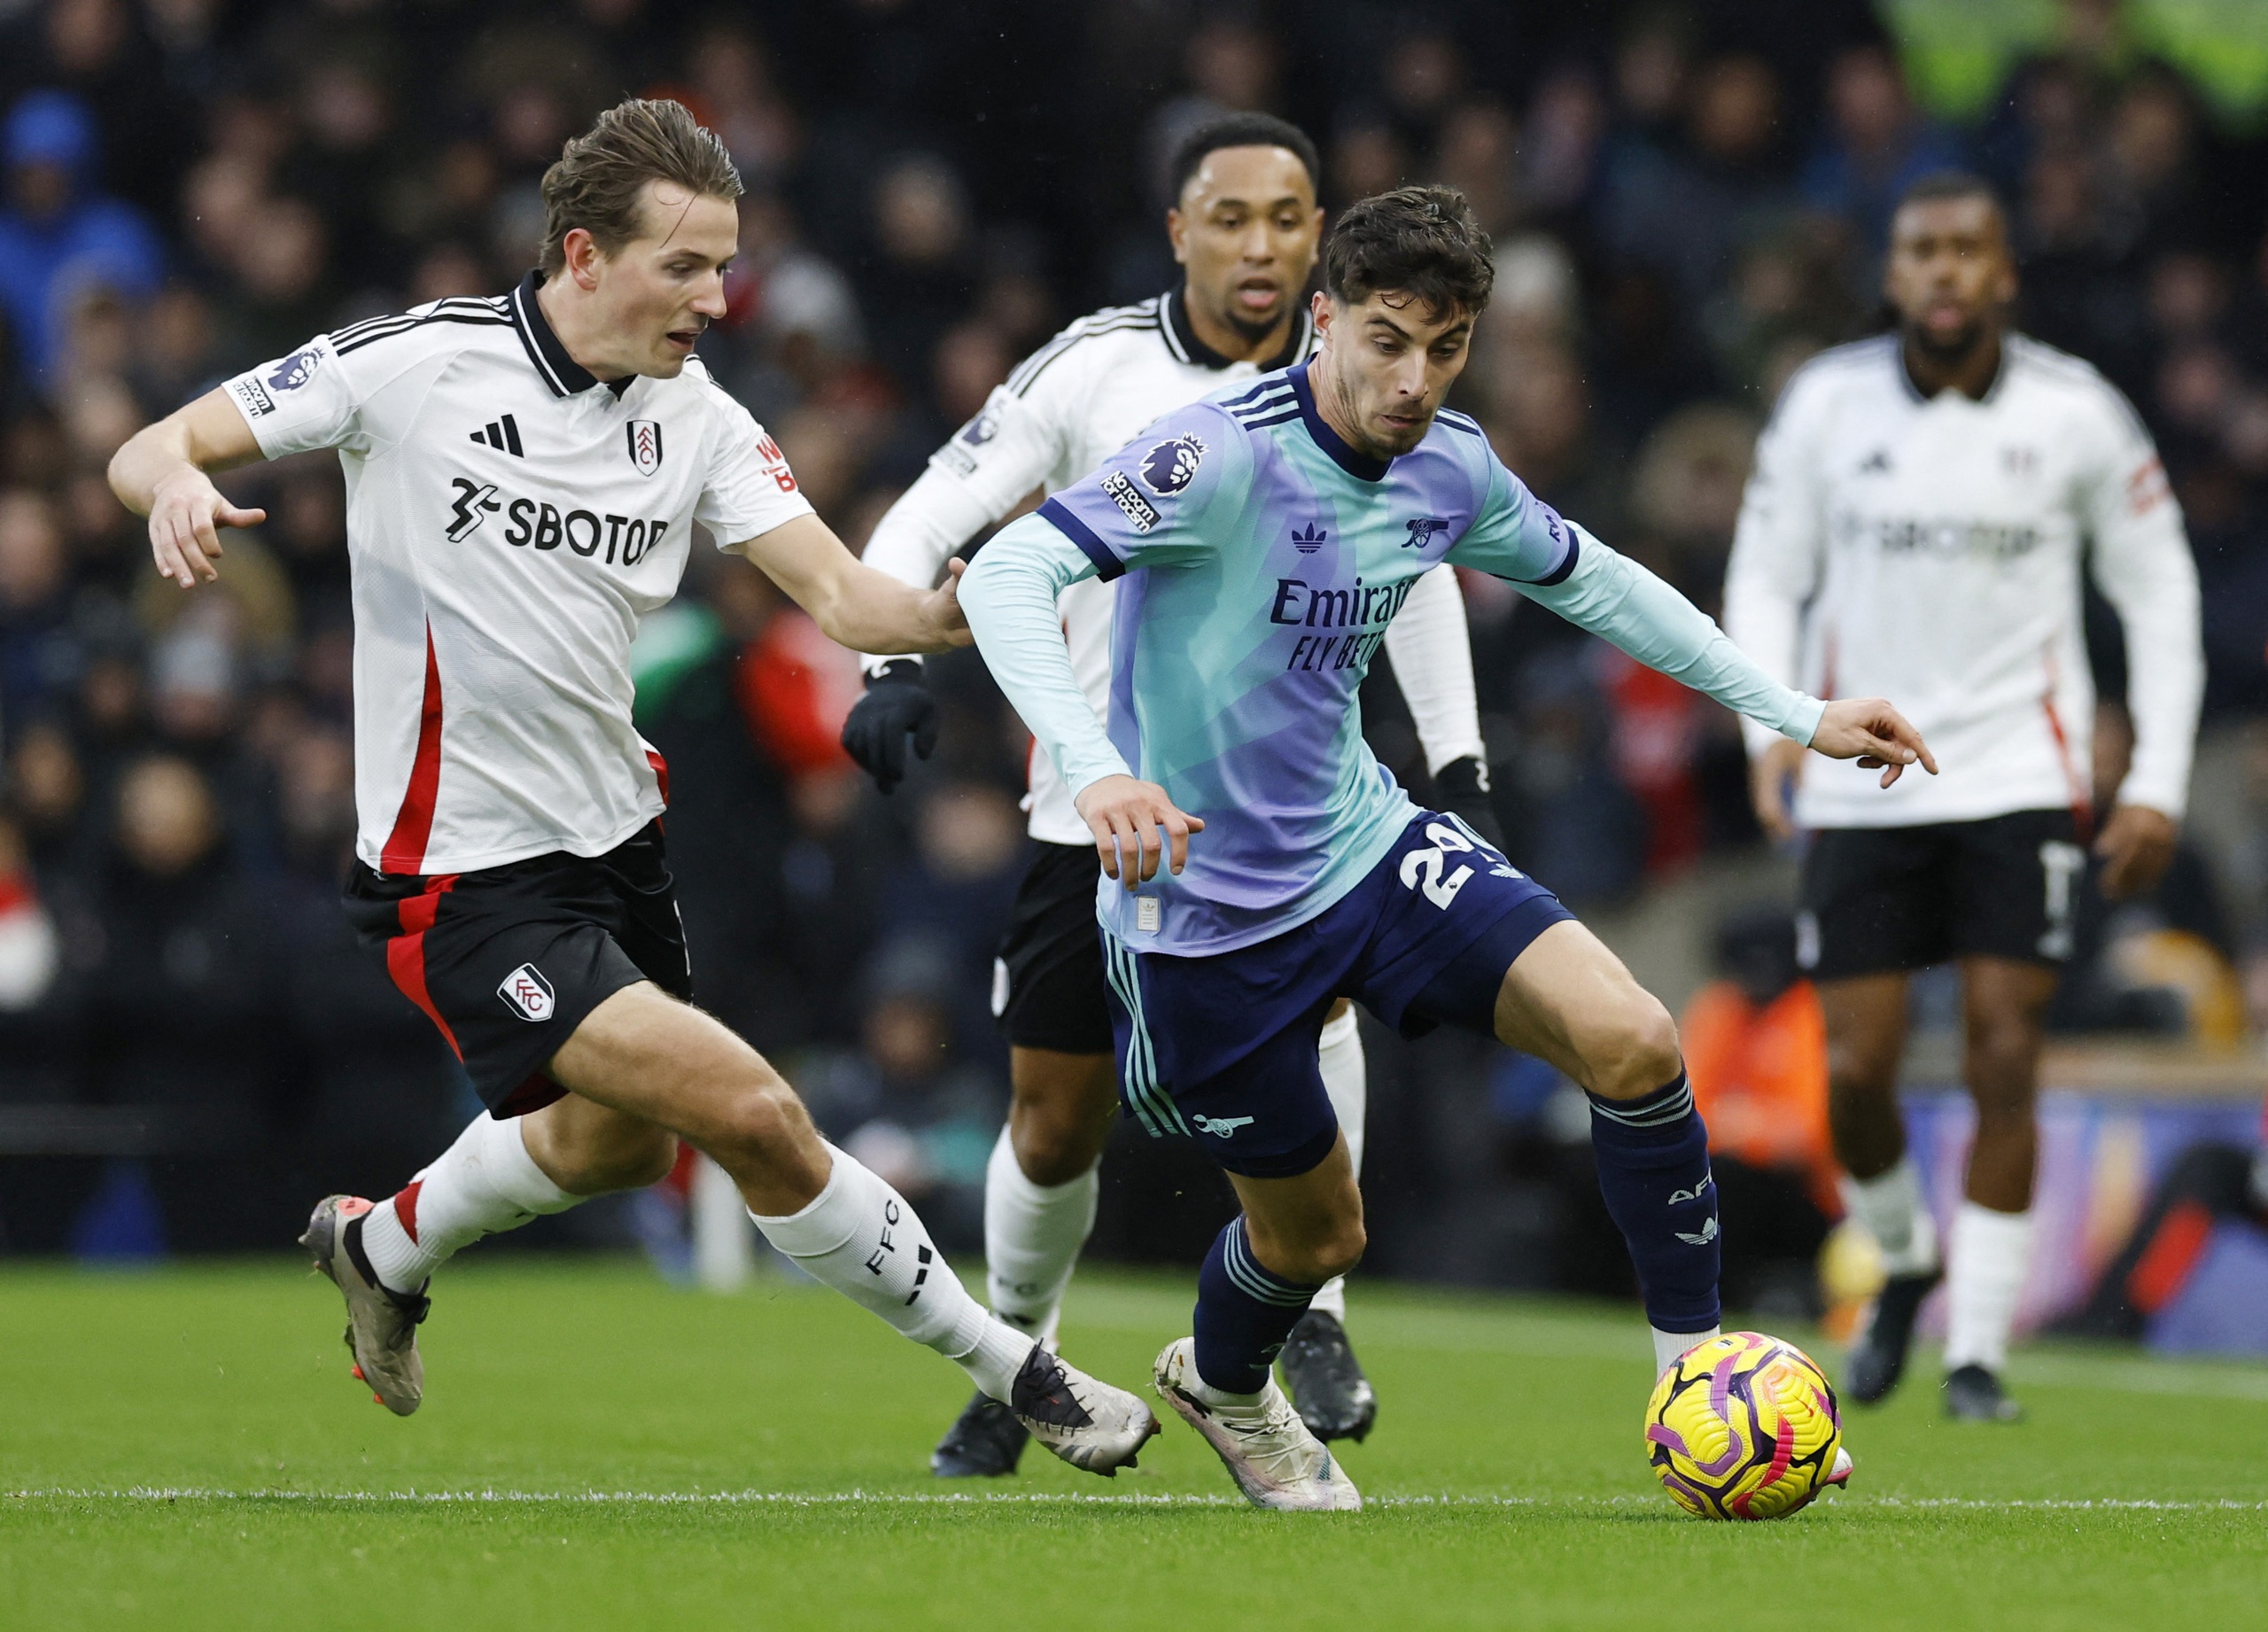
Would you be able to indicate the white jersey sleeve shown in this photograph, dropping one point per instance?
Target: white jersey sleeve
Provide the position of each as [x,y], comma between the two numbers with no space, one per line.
[747,489]
[1011,448]
[1778,545]
[2140,560]
[315,398]
[1431,653]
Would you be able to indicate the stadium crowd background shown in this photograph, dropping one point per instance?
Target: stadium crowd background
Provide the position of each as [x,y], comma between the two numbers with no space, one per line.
[1685,203]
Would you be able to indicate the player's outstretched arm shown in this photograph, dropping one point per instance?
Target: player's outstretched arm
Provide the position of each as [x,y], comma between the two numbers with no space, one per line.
[1614,597]
[855,605]
[161,473]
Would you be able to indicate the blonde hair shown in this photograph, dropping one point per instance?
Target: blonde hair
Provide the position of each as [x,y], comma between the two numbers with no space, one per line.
[601,177]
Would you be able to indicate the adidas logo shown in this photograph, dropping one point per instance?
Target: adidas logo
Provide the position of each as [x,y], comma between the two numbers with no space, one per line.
[502,435]
[1310,540]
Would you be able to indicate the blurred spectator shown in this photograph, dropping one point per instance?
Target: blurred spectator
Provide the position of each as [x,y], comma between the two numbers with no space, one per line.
[1877,145]
[922,270]
[1686,207]
[1233,67]
[906,1104]
[39,658]
[732,91]
[58,234]
[178,960]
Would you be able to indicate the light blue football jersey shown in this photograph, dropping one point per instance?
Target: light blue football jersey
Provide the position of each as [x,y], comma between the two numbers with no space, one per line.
[1263,558]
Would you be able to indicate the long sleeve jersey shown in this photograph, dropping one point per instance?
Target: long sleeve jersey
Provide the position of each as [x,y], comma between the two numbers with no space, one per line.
[1928,550]
[1260,561]
[1068,406]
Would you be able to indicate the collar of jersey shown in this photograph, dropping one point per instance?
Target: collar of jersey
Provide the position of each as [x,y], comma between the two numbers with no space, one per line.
[1914,392]
[560,371]
[1181,337]
[1354,463]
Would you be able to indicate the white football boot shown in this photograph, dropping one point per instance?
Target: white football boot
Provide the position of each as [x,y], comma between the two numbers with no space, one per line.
[1275,1459]
[381,1323]
[1084,1420]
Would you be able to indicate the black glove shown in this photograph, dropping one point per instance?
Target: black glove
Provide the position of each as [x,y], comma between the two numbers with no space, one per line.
[1463,785]
[898,702]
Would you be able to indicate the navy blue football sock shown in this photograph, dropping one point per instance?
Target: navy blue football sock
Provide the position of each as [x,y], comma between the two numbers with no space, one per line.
[1244,1313]
[1653,1167]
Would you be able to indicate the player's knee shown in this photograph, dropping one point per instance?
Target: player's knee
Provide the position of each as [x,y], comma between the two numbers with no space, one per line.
[596,1162]
[652,1164]
[1858,1074]
[1316,1258]
[762,1121]
[1632,1051]
[1335,1254]
[2000,1053]
[1055,1149]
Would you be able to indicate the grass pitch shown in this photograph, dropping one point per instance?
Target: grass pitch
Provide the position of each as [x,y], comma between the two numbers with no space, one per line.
[183,1450]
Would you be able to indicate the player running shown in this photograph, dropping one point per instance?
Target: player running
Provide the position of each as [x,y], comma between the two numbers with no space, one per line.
[524,475]
[1915,524]
[1266,536]
[1244,227]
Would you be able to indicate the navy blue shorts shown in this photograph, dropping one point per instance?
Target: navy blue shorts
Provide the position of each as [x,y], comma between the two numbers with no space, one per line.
[1223,1047]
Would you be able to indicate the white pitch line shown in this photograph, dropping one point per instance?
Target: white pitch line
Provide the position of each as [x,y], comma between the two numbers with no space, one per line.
[852,1498]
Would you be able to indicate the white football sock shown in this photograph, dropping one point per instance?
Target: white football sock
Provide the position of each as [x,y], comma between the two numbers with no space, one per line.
[1669,1345]
[1991,1252]
[863,1239]
[1890,1208]
[1345,1078]
[484,1184]
[1237,1407]
[1032,1237]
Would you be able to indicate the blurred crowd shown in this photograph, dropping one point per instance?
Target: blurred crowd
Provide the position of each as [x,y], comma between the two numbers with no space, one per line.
[1687,202]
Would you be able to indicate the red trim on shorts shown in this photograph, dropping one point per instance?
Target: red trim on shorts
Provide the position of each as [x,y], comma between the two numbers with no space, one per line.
[535,1091]
[2082,797]
[413,824]
[406,952]
[405,1208]
[2165,1266]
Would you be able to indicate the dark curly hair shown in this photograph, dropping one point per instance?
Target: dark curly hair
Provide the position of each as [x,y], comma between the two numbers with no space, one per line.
[1418,241]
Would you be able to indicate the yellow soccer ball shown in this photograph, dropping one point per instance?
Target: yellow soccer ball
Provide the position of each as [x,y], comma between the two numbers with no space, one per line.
[1744,1426]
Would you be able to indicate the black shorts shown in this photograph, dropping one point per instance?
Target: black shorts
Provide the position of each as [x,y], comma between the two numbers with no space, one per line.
[1047,982]
[1879,900]
[508,960]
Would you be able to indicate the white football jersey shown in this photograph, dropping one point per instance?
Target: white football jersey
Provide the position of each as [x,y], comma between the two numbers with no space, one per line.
[511,518]
[1929,551]
[1066,407]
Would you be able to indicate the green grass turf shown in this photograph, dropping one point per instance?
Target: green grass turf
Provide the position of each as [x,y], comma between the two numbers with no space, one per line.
[183,1450]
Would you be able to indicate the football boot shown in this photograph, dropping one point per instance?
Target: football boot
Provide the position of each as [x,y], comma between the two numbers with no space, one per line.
[1974,1395]
[381,1323]
[1334,1399]
[985,1441]
[1877,1359]
[1276,1461]
[1086,1422]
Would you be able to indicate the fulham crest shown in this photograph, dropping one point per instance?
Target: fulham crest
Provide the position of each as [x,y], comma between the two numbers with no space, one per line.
[646,445]
[527,994]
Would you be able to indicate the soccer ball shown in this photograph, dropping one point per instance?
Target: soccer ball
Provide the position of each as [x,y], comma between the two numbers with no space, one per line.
[1744,1426]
